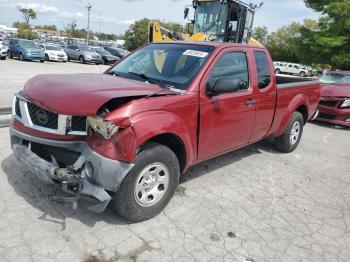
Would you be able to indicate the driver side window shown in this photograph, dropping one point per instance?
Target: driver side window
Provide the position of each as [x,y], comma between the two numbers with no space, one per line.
[232,65]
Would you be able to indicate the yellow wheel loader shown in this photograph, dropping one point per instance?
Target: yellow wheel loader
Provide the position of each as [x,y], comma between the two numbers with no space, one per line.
[214,20]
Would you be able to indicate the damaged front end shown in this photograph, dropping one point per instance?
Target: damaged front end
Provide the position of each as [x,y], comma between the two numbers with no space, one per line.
[80,171]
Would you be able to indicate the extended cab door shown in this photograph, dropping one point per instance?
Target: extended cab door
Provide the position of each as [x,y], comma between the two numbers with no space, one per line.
[226,120]
[264,94]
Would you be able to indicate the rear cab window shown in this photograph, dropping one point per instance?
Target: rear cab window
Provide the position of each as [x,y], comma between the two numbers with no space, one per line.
[263,69]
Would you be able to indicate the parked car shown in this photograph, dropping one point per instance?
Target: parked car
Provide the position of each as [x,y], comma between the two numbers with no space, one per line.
[126,135]
[54,53]
[3,52]
[291,68]
[83,54]
[334,104]
[25,50]
[107,57]
[119,52]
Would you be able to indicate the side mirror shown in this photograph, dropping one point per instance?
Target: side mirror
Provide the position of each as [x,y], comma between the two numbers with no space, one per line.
[223,85]
[186,12]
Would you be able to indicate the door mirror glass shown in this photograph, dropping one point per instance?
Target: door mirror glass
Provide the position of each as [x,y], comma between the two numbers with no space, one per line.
[224,85]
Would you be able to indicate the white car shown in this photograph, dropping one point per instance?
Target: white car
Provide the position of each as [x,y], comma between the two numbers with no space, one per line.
[54,53]
[3,52]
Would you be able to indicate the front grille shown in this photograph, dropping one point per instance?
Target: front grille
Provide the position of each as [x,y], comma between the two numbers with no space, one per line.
[42,117]
[326,116]
[78,123]
[329,103]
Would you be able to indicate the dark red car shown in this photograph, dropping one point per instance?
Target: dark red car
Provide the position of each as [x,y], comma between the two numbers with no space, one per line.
[126,136]
[334,104]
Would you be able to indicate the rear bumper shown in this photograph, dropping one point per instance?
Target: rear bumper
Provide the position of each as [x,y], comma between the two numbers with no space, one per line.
[338,116]
[91,175]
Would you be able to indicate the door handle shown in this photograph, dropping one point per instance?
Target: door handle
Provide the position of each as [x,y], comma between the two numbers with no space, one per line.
[250,102]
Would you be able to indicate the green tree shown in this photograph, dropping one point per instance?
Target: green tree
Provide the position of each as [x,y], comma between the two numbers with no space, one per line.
[28,14]
[25,31]
[329,42]
[260,34]
[137,34]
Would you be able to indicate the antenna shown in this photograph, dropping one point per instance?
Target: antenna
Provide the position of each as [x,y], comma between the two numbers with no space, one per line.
[88,7]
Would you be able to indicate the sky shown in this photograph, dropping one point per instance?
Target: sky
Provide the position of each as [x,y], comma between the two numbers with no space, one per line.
[115,16]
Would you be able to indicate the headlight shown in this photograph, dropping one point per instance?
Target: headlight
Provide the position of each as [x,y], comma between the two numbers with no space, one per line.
[346,103]
[105,128]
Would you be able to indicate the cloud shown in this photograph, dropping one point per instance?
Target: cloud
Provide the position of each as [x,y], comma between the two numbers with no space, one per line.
[39,8]
[125,22]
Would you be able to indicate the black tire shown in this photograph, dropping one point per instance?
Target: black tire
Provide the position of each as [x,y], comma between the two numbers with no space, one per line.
[283,142]
[21,57]
[82,59]
[42,61]
[278,71]
[105,62]
[3,58]
[10,55]
[46,57]
[124,201]
[68,59]
[302,74]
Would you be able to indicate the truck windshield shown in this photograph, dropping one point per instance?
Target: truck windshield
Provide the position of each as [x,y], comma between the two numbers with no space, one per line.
[175,65]
[210,18]
[335,78]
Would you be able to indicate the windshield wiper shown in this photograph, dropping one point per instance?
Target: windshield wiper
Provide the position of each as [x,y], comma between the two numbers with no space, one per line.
[152,80]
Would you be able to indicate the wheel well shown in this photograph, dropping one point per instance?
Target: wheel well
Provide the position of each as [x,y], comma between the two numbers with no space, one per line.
[303,110]
[175,144]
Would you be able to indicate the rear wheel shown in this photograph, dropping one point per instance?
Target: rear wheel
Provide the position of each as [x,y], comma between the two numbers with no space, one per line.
[302,74]
[278,71]
[290,139]
[150,184]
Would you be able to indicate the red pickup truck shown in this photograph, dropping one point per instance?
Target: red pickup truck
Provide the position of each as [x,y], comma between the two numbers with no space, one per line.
[126,135]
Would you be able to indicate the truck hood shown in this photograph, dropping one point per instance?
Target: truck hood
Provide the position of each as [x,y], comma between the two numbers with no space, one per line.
[340,90]
[83,94]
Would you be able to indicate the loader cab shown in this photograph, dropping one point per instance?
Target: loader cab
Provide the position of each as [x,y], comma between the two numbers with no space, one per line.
[225,21]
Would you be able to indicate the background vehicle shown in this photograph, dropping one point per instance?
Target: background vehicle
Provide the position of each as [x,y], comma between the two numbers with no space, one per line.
[165,107]
[25,50]
[54,53]
[118,52]
[291,68]
[83,54]
[334,104]
[214,20]
[3,52]
[107,57]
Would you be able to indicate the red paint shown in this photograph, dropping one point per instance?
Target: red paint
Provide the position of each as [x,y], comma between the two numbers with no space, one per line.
[332,96]
[205,126]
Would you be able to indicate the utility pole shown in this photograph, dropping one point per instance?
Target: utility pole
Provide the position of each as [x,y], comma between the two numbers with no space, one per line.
[88,6]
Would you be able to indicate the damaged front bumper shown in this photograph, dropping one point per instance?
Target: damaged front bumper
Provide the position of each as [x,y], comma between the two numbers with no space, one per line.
[90,175]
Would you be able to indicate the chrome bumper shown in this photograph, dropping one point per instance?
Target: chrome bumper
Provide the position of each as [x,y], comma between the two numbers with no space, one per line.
[103,174]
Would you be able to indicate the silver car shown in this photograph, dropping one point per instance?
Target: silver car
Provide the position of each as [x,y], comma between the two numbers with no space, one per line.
[84,54]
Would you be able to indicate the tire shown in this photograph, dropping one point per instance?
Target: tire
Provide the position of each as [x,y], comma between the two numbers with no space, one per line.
[302,74]
[277,71]
[10,55]
[21,57]
[42,61]
[127,201]
[46,57]
[82,59]
[105,61]
[68,59]
[289,141]
[3,58]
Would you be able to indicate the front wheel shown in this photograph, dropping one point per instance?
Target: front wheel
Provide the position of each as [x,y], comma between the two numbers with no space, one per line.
[82,60]
[278,71]
[150,184]
[290,139]
[21,57]
[46,57]
[302,74]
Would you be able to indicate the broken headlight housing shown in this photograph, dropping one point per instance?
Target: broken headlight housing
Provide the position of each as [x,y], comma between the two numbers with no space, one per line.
[103,127]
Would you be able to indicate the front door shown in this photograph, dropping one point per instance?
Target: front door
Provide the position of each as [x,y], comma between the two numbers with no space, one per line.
[226,120]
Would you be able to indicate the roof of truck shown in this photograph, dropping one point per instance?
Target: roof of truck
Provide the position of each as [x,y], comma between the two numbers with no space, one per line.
[211,43]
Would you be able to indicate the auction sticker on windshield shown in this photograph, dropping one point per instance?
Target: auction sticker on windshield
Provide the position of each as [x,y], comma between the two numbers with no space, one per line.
[195,53]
